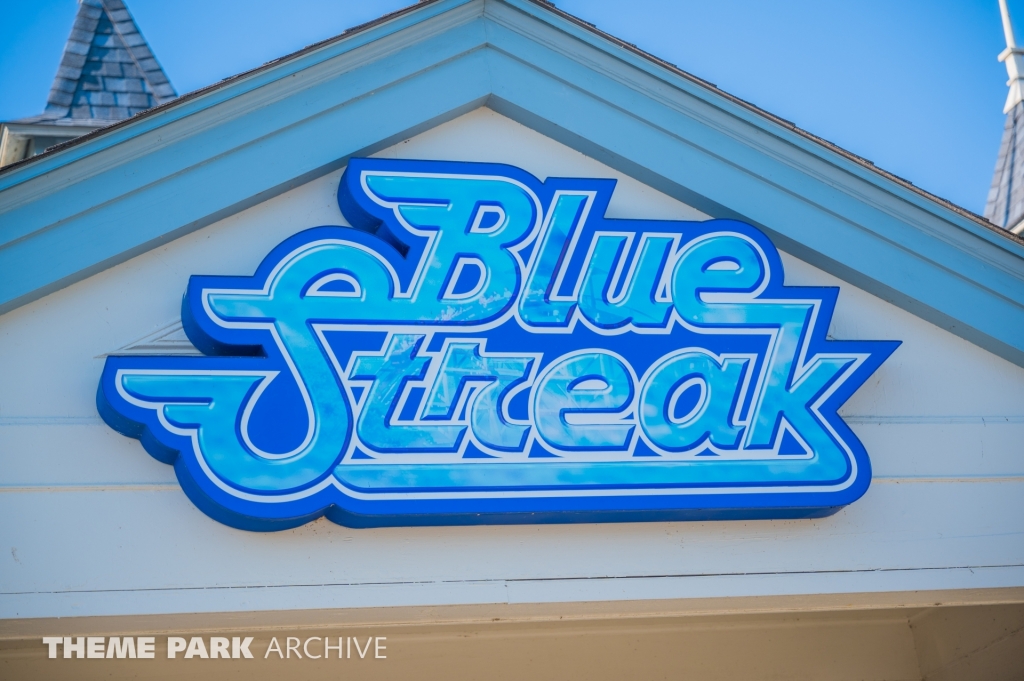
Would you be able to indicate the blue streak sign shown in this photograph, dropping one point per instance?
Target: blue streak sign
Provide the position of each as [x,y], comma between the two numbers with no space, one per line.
[484,347]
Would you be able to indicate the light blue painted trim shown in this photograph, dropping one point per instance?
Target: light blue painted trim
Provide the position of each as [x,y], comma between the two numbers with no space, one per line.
[936,269]
[93,205]
[735,107]
[136,205]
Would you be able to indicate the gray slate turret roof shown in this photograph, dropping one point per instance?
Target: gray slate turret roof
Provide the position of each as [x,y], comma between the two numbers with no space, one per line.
[107,73]
[1005,205]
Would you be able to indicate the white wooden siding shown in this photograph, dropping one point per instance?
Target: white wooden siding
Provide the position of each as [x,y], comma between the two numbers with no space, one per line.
[93,525]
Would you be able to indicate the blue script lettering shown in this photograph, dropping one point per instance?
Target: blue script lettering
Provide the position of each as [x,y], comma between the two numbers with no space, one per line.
[479,345]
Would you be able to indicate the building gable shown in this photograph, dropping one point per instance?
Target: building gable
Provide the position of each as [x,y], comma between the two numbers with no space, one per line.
[937,419]
[115,194]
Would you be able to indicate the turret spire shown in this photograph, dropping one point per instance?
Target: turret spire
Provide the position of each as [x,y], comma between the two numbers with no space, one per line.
[1005,205]
[108,71]
[107,74]
[1013,57]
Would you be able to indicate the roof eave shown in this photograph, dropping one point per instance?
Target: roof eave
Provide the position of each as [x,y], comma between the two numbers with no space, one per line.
[561,78]
[538,7]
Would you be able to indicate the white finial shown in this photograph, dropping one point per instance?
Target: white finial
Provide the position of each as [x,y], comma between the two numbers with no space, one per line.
[1013,57]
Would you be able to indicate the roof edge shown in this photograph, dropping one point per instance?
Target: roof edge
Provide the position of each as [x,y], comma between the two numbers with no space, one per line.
[535,5]
[89,206]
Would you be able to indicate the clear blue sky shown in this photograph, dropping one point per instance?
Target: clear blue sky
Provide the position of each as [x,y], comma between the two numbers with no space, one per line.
[912,85]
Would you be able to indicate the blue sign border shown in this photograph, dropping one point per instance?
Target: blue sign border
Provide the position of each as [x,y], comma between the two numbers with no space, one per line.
[394,493]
